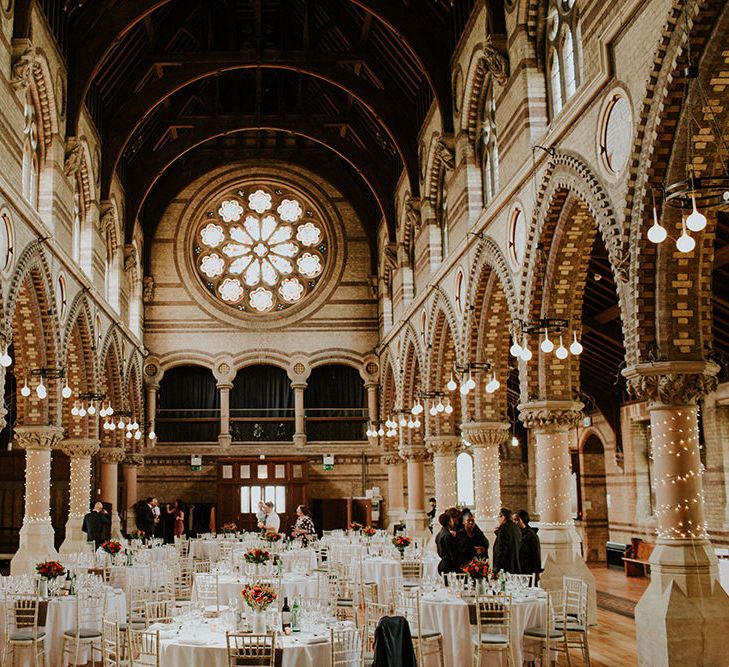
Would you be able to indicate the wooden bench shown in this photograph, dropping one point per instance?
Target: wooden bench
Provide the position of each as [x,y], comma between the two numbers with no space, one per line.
[637,558]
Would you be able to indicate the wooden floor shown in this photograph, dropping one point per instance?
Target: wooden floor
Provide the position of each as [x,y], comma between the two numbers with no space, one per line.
[612,642]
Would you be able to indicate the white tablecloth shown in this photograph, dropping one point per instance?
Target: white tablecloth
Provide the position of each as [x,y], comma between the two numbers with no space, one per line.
[60,617]
[379,569]
[450,616]
[205,550]
[121,576]
[292,586]
[289,559]
[724,573]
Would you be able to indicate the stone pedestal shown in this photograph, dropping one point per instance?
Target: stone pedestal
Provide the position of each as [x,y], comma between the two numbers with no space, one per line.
[395,488]
[416,519]
[486,439]
[443,448]
[299,414]
[132,463]
[551,422]
[36,535]
[110,458]
[224,437]
[80,451]
[683,617]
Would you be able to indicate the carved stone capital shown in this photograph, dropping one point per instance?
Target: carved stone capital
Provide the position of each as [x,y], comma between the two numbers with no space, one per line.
[23,69]
[550,414]
[442,445]
[485,434]
[111,454]
[37,438]
[130,258]
[495,61]
[106,220]
[79,447]
[391,459]
[148,289]
[417,454]
[74,157]
[135,459]
[672,382]
[445,153]
[412,212]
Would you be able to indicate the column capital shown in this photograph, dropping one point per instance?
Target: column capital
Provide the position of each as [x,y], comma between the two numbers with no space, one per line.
[391,458]
[417,454]
[79,447]
[485,434]
[111,454]
[672,382]
[550,414]
[298,385]
[442,445]
[371,384]
[136,459]
[43,437]
[224,385]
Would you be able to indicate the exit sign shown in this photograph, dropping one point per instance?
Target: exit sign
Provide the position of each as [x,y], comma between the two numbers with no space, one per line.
[328,461]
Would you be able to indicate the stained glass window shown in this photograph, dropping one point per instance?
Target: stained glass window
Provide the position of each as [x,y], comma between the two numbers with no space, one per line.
[261,250]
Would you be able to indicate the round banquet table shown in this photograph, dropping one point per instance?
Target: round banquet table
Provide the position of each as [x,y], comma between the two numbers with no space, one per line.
[292,586]
[451,616]
[205,550]
[291,558]
[380,568]
[60,616]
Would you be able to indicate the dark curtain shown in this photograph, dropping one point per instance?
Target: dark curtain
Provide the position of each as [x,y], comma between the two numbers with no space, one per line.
[337,392]
[262,405]
[188,393]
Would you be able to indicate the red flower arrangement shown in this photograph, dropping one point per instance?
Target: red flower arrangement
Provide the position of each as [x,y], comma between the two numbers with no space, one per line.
[229,528]
[369,531]
[478,568]
[111,547]
[136,535]
[271,536]
[355,527]
[50,569]
[258,596]
[401,541]
[257,556]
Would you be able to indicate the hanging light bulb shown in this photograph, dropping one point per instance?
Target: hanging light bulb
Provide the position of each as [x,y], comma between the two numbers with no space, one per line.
[129,435]
[102,412]
[5,358]
[470,383]
[105,425]
[109,410]
[120,423]
[152,435]
[138,435]
[40,390]
[92,408]
[575,347]
[129,426]
[403,421]
[82,410]
[448,408]
[464,388]
[416,423]
[685,243]
[439,407]
[561,352]
[696,221]
[493,384]
[135,425]
[547,345]
[657,233]
[381,431]
[74,409]
[112,425]
[433,411]
[514,441]
[515,348]
[66,391]
[25,391]
[451,385]
[526,353]
[411,423]
[368,432]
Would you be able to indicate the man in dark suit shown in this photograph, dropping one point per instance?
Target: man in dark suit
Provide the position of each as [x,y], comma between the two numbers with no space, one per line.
[530,553]
[145,522]
[95,523]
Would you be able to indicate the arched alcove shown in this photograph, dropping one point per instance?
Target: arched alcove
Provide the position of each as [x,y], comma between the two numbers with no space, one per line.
[188,409]
[335,404]
[261,405]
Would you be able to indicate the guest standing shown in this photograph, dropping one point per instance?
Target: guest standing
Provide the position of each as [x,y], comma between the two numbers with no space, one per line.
[431,514]
[530,552]
[95,523]
[507,544]
[272,522]
[179,518]
[470,541]
[145,520]
[445,544]
[303,530]
[261,514]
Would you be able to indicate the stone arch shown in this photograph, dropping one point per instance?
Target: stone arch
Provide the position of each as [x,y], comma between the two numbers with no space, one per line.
[183,358]
[476,82]
[389,384]
[336,355]
[135,394]
[443,355]
[265,356]
[111,371]
[435,166]
[441,303]
[412,375]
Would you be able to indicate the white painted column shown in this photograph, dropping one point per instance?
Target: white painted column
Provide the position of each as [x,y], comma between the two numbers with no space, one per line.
[151,413]
[79,451]
[110,458]
[224,438]
[443,448]
[299,414]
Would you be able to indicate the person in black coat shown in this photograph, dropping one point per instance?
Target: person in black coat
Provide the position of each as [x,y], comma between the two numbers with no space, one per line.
[470,541]
[445,543]
[145,519]
[95,523]
[507,544]
[530,551]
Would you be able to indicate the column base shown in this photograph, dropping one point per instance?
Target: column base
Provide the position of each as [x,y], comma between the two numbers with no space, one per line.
[75,540]
[225,439]
[131,522]
[562,556]
[299,440]
[36,546]
[395,515]
[682,619]
[416,522]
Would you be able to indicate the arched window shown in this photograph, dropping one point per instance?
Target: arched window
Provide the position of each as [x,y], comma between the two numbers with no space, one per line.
[111,273]
[76,229]
[563,36]
[441,213]
[464,479]
[488,149]
[31,157]
[411,259]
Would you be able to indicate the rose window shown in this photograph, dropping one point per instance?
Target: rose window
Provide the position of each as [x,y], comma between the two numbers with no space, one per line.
[260,252]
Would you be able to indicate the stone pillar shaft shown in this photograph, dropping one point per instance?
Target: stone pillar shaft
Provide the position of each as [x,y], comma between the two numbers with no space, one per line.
[224,438]
[299,414]
[131,464]
[395,488]
[151,413]
[110,458]
[372,403]
[416,519]
[80,452]
[553,475]
[443,448]
[486,439]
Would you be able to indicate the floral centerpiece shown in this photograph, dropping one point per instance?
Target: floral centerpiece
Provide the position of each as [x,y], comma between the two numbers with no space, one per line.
[271,536]
[229,528]
[111,547]
[400,542]
[50,569]
[257,556]
[258,597]
[477,568]
[355,527]
[136,535]
[369,531]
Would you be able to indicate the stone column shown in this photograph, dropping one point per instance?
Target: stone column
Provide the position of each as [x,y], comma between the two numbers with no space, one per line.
[36,535]
[110,458]
[151,412]
[416,518]
[224,439]
[551,422]
[80,451]
[395,488]
[683,616]
[299,417]
[486,439]
[132,462]
[372,402]
[443,448]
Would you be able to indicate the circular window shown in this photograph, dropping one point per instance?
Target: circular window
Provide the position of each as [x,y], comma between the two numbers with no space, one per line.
[260,250]
[616,136]
[517,238]
[61,296]
[6,241]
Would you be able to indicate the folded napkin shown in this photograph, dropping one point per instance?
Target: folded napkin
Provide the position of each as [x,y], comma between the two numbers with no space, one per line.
[314,639]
